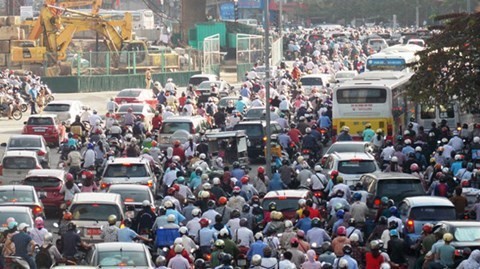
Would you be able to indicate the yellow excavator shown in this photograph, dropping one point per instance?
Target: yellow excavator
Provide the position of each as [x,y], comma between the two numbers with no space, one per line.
[56,26]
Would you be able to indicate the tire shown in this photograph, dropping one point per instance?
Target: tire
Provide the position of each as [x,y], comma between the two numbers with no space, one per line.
[17,114]
[24,107]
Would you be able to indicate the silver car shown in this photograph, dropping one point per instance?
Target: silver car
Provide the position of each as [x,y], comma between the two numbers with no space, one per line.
[116,255]
[34,143]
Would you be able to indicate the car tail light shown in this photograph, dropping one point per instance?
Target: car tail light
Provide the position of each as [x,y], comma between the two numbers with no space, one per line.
[264,139]
[37,210]
[410,226]
[41,153]
[150,183]
[305,151]
[318,194]
[376,203]
[459,252]
[104,186]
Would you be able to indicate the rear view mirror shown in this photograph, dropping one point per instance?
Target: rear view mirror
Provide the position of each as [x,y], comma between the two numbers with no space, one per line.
[3,144]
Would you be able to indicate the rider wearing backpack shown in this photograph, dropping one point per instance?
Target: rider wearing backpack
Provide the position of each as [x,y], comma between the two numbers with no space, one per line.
[48,253]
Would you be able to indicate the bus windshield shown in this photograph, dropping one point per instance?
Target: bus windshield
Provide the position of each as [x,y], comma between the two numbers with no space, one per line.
[356,96]
[386,64]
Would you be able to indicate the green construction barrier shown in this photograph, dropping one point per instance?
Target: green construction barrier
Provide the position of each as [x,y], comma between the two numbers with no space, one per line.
[242,69]
[73,84]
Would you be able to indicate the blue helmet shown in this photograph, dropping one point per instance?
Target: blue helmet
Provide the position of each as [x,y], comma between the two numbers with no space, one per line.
[357,196]
[340,214]
[90,146]
[393,210]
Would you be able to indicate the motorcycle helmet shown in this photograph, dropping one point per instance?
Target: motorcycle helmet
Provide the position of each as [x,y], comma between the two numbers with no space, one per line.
[112,219]
[341,231]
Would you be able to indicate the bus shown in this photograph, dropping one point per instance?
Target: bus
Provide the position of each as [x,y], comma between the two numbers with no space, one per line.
[376,97]
[390,61]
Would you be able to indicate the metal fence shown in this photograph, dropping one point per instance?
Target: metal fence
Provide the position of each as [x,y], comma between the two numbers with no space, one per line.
[249,51]
[211,55]
[125,62]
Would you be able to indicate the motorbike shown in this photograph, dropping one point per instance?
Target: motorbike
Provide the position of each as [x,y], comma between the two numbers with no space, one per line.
[16,111]
[16,262]
[21,103]
[242,257]
[325,137]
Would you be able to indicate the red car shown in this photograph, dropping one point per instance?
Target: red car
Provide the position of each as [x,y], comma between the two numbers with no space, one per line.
[286,201]
[45,125]
[129,96]
[47,184]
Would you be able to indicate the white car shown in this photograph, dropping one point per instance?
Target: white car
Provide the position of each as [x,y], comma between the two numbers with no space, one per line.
[65,110]
[350,165]
[16,164]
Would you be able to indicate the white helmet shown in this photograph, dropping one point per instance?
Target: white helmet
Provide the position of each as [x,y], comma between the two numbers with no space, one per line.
[202,156]
[354,237]
[385,265]
[206,186]
[476,139]
[288,223]
[145,203]
[169,80]
[216,181]
[418,149]
[408,141]
[318,168]
[346,129]
[183,230]
[196,212]
[308,130]
[302,202]
[394,159]
[171,218]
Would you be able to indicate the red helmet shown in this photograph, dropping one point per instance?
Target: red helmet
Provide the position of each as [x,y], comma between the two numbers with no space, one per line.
[341,231]
[427,228]
[69,177]
[176,143]
[171,191]
[334,173]
[67,215]
[203,222]
[222,200]
[414,167]
[465,183]
[245,179]
[87,175]
[261,170]
[176,187]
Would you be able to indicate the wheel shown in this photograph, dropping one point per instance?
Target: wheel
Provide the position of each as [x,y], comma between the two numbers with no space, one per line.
[24,107]
[50,98]
[16,114]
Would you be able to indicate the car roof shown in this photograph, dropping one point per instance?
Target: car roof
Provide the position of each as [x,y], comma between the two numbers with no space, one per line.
[25,136]
[316,76]
[96,197]
[415,201]
[262,122]
[134,104]
[128,187]
[58,173]
[69,102]
[112,246]
[288,193]
[391,175]
[182,118]
[204,76]
[43,116]
[133,89]
[17,187]
[15,209]
[352,155]
[20,153]
[128,160]
[350,142]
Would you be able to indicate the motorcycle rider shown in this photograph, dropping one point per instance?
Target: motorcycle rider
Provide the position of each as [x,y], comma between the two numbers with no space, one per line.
[71,240]
[310,142]
[110,233]
[344,135]
[145,218]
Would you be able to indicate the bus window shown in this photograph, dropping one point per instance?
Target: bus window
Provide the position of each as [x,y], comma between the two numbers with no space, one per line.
[446,112]
[427,112]
[356,96]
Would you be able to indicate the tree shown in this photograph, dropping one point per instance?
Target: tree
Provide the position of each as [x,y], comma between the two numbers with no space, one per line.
[449,68]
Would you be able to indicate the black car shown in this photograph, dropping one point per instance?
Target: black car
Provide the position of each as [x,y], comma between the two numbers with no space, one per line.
[257,136]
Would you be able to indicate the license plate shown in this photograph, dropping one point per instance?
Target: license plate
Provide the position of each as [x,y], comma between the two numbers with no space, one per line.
[124,102]
[205,93]
[39,130]
[94,232]
[42,193]
[241,262]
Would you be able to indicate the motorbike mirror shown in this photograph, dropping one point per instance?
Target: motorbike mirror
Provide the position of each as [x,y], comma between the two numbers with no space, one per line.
[56,225]
[101,227]
[24,123]
[3,144]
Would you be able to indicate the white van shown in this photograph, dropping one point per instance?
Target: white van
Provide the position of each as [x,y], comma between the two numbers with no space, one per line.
[317,80]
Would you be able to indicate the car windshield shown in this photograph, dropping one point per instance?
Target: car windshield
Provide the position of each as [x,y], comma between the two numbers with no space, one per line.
[224,101]
[93,211]
[172,127]
[252,130]
[16,196]
[311,81]
[42,182]
[285,204]
[196,81]
[255,113]
[35,121]
[206,85]
[467,234]
[126,170]
[132,196]
[129,93]
[25,142]
[398,189]
[19,163]
[20,217]
[356,166]
[345,75]
[346,148]
[433,213]
[135,108]
[122,258]
[57,108]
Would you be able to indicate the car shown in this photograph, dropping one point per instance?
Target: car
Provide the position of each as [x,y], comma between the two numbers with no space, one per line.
[416,41]
[18,195]
[133,196]
[350,165]
[223,103]
[16,164]
[395,186]
[257,136]
[117,254]
[144,111]
[204,90]
[33,143]
[47,183]
[259,113]
[286,201]
[179,128]
[347,146]
[419,210]
[466,234]
[316,80]
[66,111]
[195,80]
[45,125]
[342,76]
[90,212]
[21,214]
[133,96]
[129,171]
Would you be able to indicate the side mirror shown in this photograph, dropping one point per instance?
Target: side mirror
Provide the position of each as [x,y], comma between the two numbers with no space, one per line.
[232,88]
[42,196]
[24,123]
[3,144]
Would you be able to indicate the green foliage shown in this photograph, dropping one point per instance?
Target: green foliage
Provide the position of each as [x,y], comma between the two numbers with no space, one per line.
[449,68]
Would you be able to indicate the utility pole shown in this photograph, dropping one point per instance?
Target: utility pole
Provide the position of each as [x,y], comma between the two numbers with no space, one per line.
[417,15]
[268,149]
[280,17]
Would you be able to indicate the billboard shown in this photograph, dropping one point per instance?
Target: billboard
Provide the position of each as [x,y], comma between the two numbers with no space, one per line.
[227,11]
[250,3]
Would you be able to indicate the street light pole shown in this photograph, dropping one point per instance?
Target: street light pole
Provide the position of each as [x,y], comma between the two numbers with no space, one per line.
[268,149]
[235,8]
[280,17]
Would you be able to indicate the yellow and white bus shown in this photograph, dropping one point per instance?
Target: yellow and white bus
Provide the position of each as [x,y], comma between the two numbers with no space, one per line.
[376,97]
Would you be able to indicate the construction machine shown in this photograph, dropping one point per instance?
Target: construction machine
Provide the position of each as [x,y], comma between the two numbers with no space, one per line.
[53,32]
